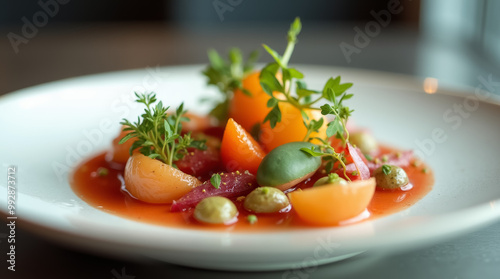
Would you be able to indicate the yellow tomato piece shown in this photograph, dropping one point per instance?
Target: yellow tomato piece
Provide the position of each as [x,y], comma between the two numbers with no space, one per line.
[291,128]
[153,181]
[249,110]
[330,204]
[120,152]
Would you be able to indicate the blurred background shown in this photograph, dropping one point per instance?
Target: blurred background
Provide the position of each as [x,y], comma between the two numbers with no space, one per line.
[452,40]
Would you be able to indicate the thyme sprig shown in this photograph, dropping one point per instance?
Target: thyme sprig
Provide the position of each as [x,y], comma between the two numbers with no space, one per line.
[158,134]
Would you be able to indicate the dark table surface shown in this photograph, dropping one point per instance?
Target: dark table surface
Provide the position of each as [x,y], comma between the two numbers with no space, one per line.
[58,52]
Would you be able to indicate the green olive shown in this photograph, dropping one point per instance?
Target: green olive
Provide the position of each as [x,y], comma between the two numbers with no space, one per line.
[287,165]
[215,210]
[266,200]
[364,141]
[390,177]
[332,178]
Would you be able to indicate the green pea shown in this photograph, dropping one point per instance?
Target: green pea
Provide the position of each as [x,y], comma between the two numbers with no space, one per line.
[390,177]
[332,178]
[215,210]
[266,200]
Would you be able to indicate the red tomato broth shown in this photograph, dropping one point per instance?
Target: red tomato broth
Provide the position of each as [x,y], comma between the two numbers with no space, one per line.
[108,193]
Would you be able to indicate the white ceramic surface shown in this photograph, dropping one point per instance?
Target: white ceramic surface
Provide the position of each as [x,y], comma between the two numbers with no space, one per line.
[48,129]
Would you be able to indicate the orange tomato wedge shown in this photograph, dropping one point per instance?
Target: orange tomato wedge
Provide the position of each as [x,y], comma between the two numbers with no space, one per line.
[249,110]
[330,204]
[239,151]
[153,181]
[291,128]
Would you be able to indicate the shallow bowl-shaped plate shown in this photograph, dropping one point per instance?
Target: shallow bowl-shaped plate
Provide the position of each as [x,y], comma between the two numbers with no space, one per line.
[49,129]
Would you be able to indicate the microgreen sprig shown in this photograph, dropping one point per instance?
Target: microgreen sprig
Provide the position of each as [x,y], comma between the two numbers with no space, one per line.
[333,95]
[158,134]
[333,91]
[328,153]
[228,75]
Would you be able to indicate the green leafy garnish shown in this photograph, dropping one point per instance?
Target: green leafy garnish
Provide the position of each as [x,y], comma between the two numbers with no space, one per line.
[215,180]
[305,99]
[333,177]
[334,92]
[157,134]
[228,75]
[328,153]
[265,190]
[252,219]
[332,95]
[101,171]
[386,169]
[368,157]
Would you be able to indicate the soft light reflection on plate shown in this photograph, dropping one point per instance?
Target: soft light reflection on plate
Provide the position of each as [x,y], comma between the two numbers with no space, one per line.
[430,85]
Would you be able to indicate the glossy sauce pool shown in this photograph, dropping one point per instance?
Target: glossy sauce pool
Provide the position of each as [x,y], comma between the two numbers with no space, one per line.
[107,193]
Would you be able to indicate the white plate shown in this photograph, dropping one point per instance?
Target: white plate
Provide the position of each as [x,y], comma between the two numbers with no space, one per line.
[49,128]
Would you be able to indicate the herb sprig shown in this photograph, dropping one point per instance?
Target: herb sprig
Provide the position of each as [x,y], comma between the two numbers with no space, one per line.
[333,95]
[337,127]
[158,134]
[306,99]
[328,153]
[228,75]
